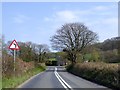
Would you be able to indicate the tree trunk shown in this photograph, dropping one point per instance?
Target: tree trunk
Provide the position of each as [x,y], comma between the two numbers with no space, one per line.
[73,58]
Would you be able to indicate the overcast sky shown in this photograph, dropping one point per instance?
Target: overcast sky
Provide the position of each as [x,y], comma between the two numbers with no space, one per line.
[37,22]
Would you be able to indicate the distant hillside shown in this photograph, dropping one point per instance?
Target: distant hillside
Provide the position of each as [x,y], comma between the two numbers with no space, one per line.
[109,44]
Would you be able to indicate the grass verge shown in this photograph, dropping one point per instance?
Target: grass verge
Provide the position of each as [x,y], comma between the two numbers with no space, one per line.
[13,82]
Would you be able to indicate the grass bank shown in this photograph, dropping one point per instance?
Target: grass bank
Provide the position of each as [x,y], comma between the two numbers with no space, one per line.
[101,73]
[0,83]
[13,82]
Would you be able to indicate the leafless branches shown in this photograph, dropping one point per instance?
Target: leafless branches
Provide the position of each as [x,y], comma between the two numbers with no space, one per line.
[73,37]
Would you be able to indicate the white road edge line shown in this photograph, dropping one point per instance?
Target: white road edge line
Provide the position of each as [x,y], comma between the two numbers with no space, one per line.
[61,80]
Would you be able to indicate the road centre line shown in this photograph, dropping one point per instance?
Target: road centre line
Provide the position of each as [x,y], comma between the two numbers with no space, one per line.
[62,81]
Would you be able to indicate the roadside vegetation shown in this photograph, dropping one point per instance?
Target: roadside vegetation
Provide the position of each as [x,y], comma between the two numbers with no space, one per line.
[99,63]
[30,60]
[52,59]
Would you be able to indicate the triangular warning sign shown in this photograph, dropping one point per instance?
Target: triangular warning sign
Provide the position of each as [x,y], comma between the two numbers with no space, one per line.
[14,45]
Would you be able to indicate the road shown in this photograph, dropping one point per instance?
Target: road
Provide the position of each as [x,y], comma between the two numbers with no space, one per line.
[57,77]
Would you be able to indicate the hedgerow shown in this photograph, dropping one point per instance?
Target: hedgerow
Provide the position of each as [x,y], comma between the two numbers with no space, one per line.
[102,73]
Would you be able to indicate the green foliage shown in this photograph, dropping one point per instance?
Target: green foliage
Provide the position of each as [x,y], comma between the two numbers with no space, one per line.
[26,53]
[51,55]
[92,55]
[95,55]
[52,59]
[119,51]
[63,55]
[13,82]
[51,63]
[87,56]
[79,57]
[62,58]
[110,56]
[106,74]
[107,51]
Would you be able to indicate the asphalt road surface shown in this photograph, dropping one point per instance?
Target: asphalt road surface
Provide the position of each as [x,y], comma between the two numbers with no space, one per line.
[56,77]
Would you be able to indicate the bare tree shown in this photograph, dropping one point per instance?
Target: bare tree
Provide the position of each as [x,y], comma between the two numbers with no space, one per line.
[42,50]
[72,38]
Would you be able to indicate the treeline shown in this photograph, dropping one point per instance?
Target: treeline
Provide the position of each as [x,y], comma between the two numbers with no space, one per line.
[107,51]
[109,44]
[29,51]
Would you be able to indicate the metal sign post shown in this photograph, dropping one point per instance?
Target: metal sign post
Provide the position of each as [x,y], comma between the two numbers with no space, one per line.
[14,60]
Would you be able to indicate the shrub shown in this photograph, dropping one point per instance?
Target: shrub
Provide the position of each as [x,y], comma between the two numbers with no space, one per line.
[20,66]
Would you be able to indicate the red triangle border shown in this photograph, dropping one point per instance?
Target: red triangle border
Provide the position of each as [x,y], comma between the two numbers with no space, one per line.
[14,48]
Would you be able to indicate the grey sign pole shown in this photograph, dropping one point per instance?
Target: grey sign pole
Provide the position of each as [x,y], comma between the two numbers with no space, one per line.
[14,61]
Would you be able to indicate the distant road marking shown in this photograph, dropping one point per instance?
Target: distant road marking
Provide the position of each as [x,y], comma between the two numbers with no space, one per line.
[65,85]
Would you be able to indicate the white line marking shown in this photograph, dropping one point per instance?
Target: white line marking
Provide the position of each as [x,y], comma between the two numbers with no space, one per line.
[55,69]
[64,81]
[61,80]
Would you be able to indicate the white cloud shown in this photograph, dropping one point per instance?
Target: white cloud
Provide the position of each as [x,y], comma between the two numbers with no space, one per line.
[78,15]
[63,16]
[101,8]
[48,19]
[67,15]
[100,19]
[20,18]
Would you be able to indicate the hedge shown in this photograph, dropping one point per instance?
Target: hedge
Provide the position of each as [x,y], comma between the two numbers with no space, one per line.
[101,73]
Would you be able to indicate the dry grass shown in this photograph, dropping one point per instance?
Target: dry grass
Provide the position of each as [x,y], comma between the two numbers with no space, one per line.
[20,66]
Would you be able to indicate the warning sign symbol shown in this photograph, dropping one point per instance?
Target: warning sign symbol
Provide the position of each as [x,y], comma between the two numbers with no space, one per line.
[14,45]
